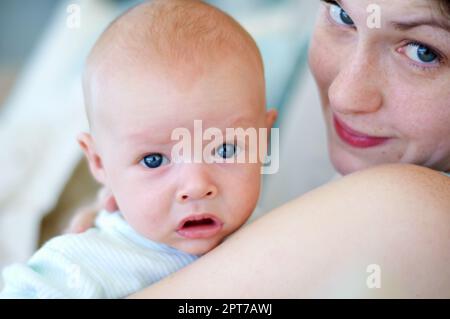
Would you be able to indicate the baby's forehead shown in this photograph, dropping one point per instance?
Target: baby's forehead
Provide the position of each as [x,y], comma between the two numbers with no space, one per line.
[159,122]
[166,118]
[157,75]
[198,131]
[155,87]
[183,37]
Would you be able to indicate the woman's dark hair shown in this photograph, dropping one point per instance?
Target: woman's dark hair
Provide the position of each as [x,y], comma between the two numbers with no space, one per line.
[445,7]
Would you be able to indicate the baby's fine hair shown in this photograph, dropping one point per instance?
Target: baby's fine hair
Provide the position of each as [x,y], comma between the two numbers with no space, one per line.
[176,32]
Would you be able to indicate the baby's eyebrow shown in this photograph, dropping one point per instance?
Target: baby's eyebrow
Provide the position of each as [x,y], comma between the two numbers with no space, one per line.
[240,121]
[158,136]
[149,137]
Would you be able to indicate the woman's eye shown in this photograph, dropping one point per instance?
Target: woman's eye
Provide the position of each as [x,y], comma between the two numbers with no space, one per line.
[421,53]
[227,150]
[340,16]
[154,160]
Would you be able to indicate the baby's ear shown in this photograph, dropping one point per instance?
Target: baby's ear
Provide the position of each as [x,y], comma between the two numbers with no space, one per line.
[271,117]
[95,163]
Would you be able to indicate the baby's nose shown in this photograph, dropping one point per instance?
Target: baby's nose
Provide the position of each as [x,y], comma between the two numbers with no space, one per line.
[195,184]
[196,194]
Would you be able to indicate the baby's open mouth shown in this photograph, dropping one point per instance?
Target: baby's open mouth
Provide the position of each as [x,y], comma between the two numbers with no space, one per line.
[199,226]
[194,223]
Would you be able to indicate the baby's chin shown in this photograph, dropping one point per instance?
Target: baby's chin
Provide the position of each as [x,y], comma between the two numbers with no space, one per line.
[197,247]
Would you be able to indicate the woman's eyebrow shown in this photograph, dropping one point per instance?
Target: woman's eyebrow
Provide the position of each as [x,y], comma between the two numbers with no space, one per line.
[407,25]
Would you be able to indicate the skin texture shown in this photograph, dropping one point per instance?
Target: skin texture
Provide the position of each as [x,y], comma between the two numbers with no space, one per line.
[133,119]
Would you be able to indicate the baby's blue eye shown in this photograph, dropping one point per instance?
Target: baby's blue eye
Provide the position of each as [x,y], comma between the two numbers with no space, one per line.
[340,16]
[421,53]
[226,150]
[154,160]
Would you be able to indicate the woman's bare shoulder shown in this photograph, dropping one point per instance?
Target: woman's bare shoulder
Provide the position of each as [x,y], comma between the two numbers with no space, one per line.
[407,177]
[393,216]
[405,171]
[406,181]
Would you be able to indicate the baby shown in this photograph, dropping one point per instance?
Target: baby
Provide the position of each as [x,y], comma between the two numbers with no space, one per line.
[162,65]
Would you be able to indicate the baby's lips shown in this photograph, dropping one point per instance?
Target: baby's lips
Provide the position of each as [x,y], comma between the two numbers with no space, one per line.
[198,218]
[199,226]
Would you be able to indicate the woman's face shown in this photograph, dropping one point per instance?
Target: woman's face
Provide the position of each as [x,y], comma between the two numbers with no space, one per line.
[385,90]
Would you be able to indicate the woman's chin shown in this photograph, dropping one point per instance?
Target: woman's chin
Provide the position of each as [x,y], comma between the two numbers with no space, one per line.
[345,162]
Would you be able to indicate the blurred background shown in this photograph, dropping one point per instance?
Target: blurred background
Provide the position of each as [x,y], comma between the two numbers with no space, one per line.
[43,44]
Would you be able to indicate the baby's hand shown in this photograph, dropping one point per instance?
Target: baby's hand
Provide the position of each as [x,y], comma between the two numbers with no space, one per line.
[85,216]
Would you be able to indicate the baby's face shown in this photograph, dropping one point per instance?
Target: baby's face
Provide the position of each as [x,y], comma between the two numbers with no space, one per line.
[189,206]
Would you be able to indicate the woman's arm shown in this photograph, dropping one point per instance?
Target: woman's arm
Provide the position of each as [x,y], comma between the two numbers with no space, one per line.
[393,221]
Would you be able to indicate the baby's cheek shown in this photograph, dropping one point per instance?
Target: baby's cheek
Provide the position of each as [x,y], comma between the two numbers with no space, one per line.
[148,225]
[135,199]
[146,212]
[249,184]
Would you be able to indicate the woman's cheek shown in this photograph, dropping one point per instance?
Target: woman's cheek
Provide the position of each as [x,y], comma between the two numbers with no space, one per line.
[323,65]
[417,114]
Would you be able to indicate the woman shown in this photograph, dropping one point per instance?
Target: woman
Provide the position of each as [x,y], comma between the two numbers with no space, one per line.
[382,232]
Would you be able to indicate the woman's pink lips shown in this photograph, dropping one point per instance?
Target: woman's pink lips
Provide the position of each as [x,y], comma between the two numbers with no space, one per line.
[355,138]
[199,231]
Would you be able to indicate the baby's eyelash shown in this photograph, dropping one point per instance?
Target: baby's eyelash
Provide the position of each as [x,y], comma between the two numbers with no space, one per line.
[331,2]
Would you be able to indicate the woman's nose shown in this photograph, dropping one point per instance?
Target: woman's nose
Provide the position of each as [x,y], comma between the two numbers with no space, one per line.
[356,89]
[195,184]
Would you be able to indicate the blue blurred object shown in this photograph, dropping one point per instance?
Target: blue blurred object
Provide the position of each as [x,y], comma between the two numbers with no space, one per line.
[21,24]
